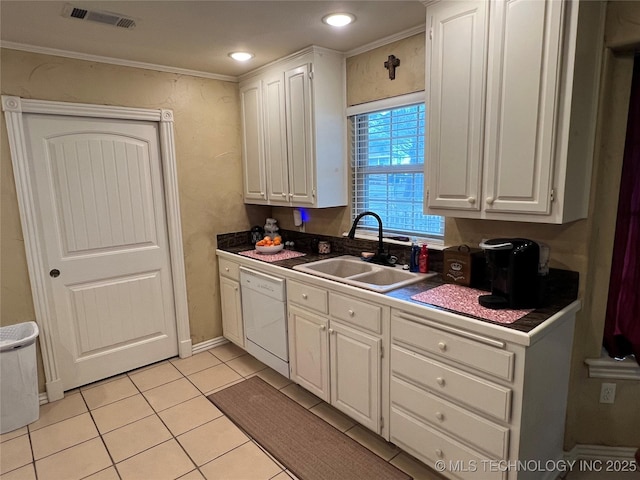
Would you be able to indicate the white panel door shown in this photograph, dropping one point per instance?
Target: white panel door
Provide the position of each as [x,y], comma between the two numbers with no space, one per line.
[523,74]
[309,351]
[456,59]
[355,374]
[300,134]
[275,138]
[252,143]
[100,196]
[231,303]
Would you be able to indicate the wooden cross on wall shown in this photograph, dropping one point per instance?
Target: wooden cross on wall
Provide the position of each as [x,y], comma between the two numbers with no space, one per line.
[391,64]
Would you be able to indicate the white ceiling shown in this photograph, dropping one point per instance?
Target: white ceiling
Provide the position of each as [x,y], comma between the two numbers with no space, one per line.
[198,35]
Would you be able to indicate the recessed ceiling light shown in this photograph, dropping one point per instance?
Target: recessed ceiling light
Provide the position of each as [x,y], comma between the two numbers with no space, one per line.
[338,19]
[241,56]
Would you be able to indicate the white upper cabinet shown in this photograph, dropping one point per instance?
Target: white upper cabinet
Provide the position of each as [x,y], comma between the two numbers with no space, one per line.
[301,127]
[456,73]
[512,99]
[252,141]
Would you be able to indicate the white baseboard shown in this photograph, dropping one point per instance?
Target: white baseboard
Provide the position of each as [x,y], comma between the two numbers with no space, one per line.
[600,452]
[207,344]
[42,398]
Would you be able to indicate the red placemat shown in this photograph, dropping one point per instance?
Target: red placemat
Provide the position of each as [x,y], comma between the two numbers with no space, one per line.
[465,300]
[273,257]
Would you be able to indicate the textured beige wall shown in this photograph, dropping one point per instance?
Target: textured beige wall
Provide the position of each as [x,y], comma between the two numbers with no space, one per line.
[368,80]
[207,139]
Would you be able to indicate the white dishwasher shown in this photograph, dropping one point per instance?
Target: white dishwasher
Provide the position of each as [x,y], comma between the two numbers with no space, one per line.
[265,318]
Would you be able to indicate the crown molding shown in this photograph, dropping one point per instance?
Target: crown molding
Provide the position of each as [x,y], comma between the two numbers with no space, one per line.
[115,61]
[386,40]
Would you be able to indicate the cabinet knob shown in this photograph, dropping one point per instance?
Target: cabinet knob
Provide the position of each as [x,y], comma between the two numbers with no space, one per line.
[442,346]
[305,296]
[235,288]
[331,331]
[284,194]
[490,200]
[439,453]
[323,327]
[291,195]
[351,313]
[440,381]
[471,200]
[262,194]
[226,269]
[439,416]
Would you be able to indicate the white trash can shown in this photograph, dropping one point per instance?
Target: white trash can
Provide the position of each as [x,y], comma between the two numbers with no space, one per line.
[19,402]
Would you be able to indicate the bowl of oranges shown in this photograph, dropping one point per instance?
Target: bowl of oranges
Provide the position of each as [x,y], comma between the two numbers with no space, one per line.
[269,245]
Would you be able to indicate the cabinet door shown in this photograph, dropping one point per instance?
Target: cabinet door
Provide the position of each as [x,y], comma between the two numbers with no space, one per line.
[355,374]
[299,113]
[253,142]
[232,328]
[309,351]
[275,138]
[523,76]
[456,59]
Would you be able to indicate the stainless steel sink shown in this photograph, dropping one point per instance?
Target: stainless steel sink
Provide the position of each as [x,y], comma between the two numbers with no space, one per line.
[353,271]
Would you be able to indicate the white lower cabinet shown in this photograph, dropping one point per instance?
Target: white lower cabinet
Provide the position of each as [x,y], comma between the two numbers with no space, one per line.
[231,302]
[473,406]
[338,360]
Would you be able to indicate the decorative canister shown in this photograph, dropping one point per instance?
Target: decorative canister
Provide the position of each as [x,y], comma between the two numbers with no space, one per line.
[324,247]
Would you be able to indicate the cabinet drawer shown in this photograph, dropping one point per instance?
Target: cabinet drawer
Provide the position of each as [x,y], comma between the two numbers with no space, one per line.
[356,312]
[483,434]
[449,345]
[431,446]
[229,269]
[307,296]
[478,393]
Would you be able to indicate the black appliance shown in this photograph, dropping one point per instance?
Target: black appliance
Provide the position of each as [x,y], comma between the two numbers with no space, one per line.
[513,265]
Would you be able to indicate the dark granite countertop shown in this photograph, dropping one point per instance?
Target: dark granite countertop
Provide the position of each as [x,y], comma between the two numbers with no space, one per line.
[562,285]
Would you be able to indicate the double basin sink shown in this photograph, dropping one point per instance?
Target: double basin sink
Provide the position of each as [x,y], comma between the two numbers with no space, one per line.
[354,271]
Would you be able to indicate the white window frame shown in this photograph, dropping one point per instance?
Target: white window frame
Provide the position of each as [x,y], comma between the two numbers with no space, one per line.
[370,107]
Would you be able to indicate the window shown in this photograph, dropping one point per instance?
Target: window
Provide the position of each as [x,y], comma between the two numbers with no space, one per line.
[387,154]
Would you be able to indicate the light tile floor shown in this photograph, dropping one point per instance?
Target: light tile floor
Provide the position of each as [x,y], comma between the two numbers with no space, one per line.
[156,423]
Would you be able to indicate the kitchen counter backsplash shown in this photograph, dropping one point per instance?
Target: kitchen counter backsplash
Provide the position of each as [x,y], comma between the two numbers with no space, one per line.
[562,285]
[339,246]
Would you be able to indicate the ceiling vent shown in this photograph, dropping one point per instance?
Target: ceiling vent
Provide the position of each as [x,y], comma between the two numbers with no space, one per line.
[107,18]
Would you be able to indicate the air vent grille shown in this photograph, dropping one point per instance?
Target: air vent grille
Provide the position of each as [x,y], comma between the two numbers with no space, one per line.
[78,13]
[106,18]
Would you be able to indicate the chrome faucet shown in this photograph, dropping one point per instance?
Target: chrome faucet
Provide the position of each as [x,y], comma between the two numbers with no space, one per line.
[380,257]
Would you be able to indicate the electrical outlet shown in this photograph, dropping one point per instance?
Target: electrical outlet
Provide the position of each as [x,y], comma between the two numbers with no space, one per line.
[608,393]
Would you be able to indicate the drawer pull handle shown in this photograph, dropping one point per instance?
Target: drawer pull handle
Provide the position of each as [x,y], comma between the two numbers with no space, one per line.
[439,416]
[439,453]
[442,346]
[351,313]
[305,296]
[440,381]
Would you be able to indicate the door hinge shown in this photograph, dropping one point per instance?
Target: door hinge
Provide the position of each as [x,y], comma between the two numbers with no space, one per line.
[381,352]
[431,34]
[553,194]
[381,422]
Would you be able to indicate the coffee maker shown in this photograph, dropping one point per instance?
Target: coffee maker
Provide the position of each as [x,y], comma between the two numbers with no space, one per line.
[515,280]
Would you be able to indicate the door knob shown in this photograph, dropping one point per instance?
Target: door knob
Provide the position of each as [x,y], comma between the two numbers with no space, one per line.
[54,273]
